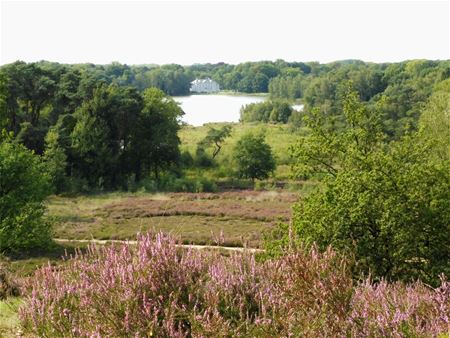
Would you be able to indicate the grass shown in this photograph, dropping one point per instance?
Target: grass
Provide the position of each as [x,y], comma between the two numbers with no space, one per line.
[279,136]
[8,317]
[23,264]
[198,218]
[242,216]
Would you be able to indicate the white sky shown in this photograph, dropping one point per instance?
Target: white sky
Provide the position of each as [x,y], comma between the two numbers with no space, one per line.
[187,32]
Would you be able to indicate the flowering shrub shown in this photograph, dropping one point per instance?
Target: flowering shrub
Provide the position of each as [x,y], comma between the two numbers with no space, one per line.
[157,289]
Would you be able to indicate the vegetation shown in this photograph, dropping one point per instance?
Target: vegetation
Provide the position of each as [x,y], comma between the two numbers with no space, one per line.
[156,290]
[253,157]
[278,136]
[24,185]
[372,145]
[376,199]
[199,218]
[275,111]
[215,138]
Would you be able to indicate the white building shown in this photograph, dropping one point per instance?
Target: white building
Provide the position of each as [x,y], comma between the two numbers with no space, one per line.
[204,86]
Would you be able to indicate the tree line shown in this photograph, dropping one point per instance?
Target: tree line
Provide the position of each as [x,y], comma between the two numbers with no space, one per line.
[91,132]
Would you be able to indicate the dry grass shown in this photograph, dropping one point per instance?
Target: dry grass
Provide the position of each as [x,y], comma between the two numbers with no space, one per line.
[9,321]
[242,216]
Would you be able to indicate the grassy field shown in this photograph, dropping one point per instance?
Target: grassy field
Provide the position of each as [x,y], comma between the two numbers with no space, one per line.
[280,137]
[242,216]
[8,317]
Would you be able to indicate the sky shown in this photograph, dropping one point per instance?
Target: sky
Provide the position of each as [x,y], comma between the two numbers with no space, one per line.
[188,32]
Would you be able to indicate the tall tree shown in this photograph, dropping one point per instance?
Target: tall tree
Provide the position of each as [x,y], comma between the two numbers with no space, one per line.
[24,185]
[388,203]
[253,156]
[155,141]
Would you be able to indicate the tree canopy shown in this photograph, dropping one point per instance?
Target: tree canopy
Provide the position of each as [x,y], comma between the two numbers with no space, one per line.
[388,203]
[24,184]
[253,157]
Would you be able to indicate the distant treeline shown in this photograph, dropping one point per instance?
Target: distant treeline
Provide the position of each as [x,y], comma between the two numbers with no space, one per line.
[399,90]
[109,123]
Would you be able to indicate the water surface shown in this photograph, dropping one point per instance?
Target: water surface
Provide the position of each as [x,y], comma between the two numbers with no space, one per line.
[200,109]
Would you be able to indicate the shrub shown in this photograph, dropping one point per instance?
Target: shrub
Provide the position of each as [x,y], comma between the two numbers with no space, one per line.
[389,203]
[186,159]
[8,287]
[23,188]
[253,157]
[157,289]
[275,111]
[399,310]
[202,159]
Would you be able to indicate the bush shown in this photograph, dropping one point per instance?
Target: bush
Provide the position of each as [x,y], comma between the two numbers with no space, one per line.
[156,289]
[253,157]
[186,159]
[388,203]
[275,111]
[172,183]
[202,159]
[8,287]
[23,187]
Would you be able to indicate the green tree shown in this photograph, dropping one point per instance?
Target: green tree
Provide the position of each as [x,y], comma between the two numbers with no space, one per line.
[154,142]
[55,160]
[24,185]
[103,132]
[435,118]
[3,102]
[253,157]
[388,203]
[215,137]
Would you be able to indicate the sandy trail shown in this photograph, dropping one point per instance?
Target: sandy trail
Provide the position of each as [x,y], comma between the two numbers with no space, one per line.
[191,246]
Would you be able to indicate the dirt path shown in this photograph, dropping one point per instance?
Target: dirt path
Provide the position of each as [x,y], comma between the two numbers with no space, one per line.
[192,246]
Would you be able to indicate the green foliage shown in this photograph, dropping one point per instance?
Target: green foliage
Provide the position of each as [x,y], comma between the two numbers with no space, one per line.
[390,204]
[56,161]
[275,111]
[109,132]
[287,87]
[326,148]
[202,159]
[435,119]
[23,187]
[154,142]
[215,137]
[3,102]
[253,157]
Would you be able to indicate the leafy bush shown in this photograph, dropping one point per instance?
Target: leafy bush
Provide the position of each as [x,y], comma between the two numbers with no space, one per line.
[156,289]
[23,188]
[202,159]
[172,183]
[389,203]
[186,159]
[276,111]
[253,157]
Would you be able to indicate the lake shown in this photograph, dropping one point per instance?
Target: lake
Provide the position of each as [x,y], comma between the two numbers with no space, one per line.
[200,109]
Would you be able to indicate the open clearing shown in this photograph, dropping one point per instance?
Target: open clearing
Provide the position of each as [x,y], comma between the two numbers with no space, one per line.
[194,218]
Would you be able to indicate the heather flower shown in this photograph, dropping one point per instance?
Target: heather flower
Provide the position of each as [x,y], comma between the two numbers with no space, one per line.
[155,289]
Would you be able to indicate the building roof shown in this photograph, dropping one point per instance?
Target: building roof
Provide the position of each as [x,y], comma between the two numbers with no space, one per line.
[207,80]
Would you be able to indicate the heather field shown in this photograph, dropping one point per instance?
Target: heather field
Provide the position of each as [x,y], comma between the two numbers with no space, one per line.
[155,289]
[197,218]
